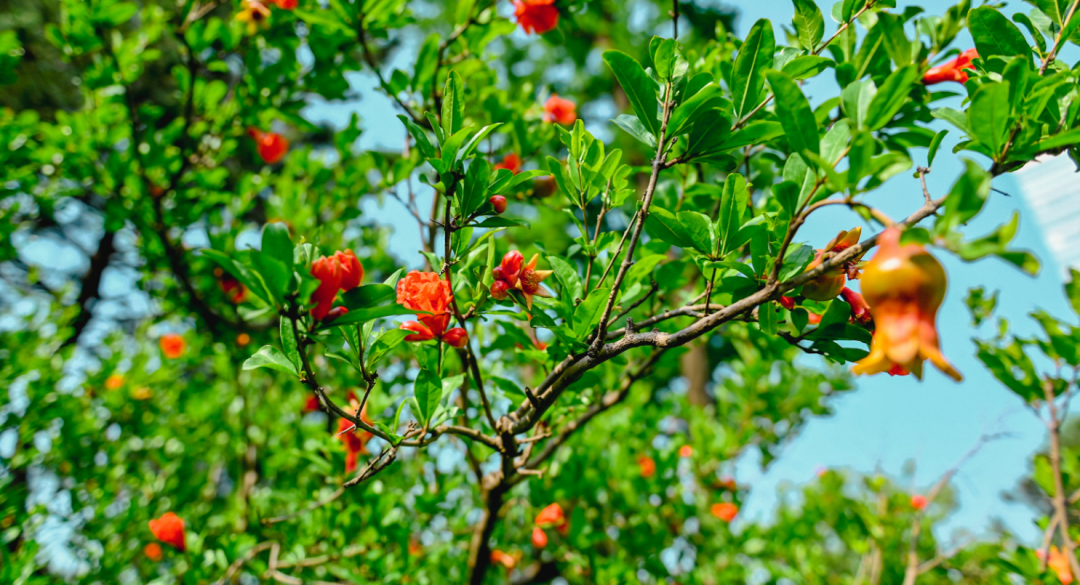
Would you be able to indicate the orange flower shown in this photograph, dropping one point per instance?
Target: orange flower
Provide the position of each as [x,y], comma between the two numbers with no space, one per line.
[552,517]
[507,560]
[919,502]
[647,465]
[355,440]
[725,511]
[536,16]
[172,345]
[827,286]
[560,110]
[285,4]
[510,274]
[255,14]
[243,339]
[954,70]
[1059,563]
[539,537]
[272,146]
[686,451]
[425,291]
[170,530]
[114,382]
[510,162]
[904,286]
[153,551]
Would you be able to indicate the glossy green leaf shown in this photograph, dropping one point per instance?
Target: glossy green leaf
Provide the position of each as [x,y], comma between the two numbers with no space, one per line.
[639,88]
[748,76]
[794,112]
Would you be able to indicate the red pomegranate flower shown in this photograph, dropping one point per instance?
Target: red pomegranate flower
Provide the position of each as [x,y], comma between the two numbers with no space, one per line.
[354,439]
[919,502]
[647,466]
[170,530]
[172,345]
[536,16]
[510,274]
[285,4]
[510,162]
[552,517]
[686,451]
[562,111]
[955,70]
[725,511]
[340,272]
[425,291]
[904,286]
[507,560]
[272,146]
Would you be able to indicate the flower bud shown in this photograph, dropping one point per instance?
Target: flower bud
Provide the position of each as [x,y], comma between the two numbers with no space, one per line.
[904,286]
[499,203]
[725,511]
[499,289]
[352,272]
[918,501]
[539,537]
[456,337]
[170,530]
[335,313]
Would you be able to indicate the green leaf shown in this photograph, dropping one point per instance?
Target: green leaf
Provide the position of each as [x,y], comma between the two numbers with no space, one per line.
[368,295]
[270,357]
[795,114]
[634,127]
[809,23]
[697,227]
[850,7]
[639,88]
[277,244]
[275,274]
[896,42]
[806,66]
[954,117]
[505,180]
[996,35]
[1060,140]
[855,101]
[664,225]
[934,145]
[420,137]
[767,318]
[453,105]
[733,207]
[664,53]
[588,314]
[988,116]
[890,97]
[747,76]
[428,392]
[1072,290]
[474,191]
[683,116]
[288,342]
[966,199]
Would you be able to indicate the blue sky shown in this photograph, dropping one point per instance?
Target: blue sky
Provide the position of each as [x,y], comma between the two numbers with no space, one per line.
[887,422]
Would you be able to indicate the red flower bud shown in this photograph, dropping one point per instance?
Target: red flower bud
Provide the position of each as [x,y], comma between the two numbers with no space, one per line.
[335,313]
[272,146]
[788,303]
[552,517]
[498,202]
[918,502]
[170,530]
[686,451]
[328,271]
[456,337]
[860,311]
[153,551]
[511,267]
[539,537]
[352,272]
[172,345]
[510,162]
[499,288]
[647,465]
[725,511]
